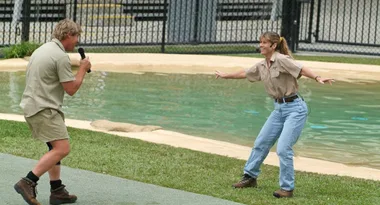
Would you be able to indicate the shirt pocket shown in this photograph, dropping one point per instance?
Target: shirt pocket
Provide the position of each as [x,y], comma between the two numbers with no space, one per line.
[277,70]
[274,73]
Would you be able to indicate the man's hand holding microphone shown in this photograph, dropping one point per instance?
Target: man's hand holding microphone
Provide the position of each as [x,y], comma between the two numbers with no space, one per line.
[85,61]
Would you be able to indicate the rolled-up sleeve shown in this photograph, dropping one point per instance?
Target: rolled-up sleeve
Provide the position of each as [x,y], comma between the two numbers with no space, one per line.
[64,70]
[253,73]
[291,66]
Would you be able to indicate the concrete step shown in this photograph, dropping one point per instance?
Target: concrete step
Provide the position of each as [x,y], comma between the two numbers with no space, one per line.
[110,20]
[103,14]
[99,9]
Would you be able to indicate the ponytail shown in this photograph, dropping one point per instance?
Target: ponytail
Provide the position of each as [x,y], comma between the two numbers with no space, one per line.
[282,45]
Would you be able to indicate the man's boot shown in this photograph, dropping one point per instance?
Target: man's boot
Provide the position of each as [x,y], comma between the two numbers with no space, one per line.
[27,189]
[61,196]
[283,193]
[246,181]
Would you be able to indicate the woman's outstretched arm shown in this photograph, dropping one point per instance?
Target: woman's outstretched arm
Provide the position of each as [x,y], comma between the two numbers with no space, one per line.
[238,75]
[309,73]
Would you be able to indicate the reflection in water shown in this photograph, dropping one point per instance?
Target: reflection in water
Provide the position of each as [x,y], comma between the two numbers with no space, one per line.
[90,97]
[343,123]
[13,92]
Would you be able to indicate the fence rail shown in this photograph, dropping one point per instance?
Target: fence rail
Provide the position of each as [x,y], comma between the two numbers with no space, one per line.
[347,26]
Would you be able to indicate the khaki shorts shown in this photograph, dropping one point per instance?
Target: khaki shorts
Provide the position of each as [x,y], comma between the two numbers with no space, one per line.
[48,125]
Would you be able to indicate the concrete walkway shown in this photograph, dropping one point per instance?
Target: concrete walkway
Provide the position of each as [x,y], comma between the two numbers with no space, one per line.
[95,189]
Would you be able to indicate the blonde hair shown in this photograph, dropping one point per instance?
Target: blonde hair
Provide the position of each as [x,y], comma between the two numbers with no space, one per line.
[282,45]
[65,27]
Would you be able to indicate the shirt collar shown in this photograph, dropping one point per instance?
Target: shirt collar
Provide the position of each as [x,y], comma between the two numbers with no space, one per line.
[58,42]
[272,58]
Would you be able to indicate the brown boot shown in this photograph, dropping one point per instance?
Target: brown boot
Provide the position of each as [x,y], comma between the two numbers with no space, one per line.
[61,196]
[283,193]
[27,189]
[246,181]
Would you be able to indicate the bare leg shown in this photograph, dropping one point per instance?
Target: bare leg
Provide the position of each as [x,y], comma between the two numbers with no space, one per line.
[59,194]
[61,148]
[55,173]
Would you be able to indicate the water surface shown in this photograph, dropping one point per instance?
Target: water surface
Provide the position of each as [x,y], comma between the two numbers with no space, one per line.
[343,123]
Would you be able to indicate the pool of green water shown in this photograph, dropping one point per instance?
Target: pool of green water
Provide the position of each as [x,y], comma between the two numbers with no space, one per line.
[343,123]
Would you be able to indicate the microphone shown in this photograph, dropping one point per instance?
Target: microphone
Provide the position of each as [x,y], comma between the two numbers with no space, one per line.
[83,56]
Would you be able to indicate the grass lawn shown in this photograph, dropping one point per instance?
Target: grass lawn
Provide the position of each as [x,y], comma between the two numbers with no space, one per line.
[187,170]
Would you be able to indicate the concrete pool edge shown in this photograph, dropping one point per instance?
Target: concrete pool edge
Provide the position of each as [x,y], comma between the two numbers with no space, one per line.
[176,139]
[199,64]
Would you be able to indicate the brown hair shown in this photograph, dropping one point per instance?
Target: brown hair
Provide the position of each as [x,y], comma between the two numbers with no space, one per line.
[64,27]
[282,45]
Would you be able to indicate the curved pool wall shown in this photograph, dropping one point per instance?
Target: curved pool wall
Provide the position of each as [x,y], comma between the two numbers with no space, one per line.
[343,123]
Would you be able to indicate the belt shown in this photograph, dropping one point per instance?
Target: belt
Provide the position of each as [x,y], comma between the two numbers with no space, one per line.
[286,99]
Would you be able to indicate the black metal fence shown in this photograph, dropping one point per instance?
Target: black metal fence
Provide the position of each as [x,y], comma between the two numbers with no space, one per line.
[198,26]
[347,26]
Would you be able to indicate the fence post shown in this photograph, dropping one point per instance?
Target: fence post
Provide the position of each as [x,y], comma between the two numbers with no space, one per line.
[191,21]
[289,23]
[25,20]
[75,10]
[310,33]
[286,19]
[296,6]
[316,35]
[194,40]
[163,39]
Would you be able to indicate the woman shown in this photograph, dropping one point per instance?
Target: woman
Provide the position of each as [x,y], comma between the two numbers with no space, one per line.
[279,72]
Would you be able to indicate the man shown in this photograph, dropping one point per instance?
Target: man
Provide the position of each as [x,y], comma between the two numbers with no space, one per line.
[48,77]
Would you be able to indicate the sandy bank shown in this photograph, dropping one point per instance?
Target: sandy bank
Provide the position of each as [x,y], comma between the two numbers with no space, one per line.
[199,64]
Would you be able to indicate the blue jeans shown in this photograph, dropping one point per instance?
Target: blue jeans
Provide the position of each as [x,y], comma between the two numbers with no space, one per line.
[284,124]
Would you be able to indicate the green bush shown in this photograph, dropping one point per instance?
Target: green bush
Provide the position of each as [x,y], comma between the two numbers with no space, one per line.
[20,50]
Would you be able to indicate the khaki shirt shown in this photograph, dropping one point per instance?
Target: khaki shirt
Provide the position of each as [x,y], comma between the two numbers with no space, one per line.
[280,79]
[48,67]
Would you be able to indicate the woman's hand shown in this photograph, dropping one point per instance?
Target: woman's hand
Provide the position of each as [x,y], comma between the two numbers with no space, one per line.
[324,80]
[219,74]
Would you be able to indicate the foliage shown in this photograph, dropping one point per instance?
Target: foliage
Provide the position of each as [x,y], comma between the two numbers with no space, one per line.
[20,50]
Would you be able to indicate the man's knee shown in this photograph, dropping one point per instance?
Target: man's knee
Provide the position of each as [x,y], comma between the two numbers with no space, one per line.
[65,152]
[62,147]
